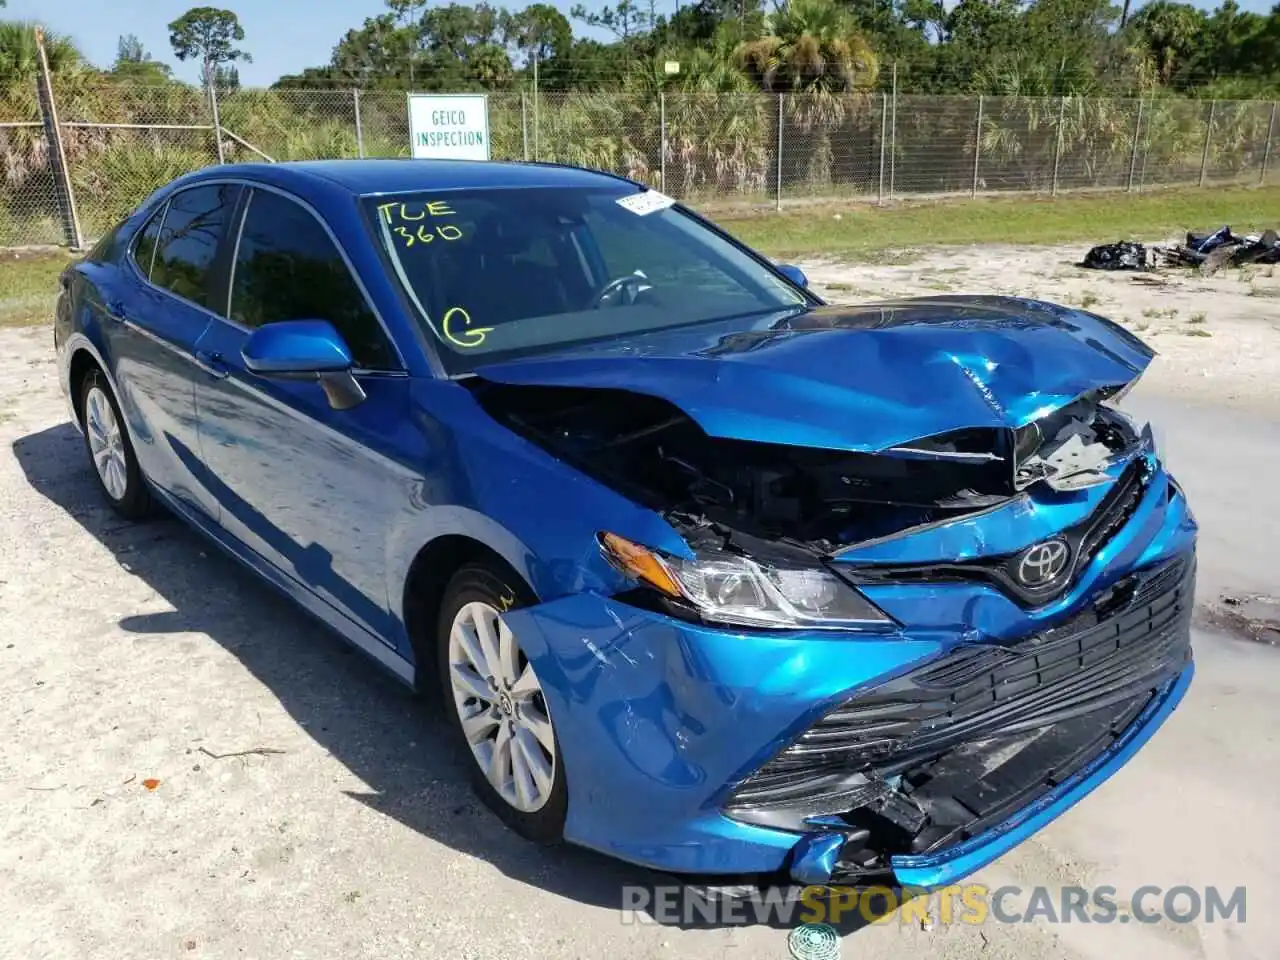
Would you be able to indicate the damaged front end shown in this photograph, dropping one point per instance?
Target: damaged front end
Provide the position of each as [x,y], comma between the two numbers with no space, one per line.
[938,756]
[754,496]
[931,759]
[1043,549]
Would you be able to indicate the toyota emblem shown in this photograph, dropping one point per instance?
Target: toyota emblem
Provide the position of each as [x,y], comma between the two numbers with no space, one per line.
[1042,563]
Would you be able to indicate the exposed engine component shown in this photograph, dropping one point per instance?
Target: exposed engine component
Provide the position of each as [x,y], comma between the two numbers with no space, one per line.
[649,450]
[1071,448]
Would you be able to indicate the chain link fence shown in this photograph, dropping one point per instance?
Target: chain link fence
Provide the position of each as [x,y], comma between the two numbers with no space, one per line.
[121,142]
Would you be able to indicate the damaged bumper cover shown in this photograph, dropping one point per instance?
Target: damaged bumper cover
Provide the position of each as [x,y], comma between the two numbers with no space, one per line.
[915,754]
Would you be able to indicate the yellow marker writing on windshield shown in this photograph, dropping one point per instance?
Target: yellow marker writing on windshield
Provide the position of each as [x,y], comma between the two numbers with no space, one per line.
[422,235]
[435,208]
[475,335]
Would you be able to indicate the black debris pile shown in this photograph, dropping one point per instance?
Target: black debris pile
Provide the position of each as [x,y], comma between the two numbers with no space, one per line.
[1204,252]
[1209,252]
[1117,256]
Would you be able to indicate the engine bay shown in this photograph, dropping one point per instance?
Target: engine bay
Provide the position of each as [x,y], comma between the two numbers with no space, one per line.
[819,500]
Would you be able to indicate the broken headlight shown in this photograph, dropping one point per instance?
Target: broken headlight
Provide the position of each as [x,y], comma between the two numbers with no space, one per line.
[734,589]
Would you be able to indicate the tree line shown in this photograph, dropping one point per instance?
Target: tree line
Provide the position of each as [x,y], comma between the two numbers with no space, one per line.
[988,95]
[994,47]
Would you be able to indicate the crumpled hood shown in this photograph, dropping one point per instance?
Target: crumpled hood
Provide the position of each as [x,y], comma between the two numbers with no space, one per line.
[863,377]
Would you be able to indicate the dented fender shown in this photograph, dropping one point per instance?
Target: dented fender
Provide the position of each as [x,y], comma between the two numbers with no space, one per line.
[666,715]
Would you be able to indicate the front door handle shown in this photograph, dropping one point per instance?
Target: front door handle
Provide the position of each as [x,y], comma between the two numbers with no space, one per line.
[212,363]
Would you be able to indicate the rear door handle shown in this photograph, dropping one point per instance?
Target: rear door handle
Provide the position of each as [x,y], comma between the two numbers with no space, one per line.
[115,310]
[212,363]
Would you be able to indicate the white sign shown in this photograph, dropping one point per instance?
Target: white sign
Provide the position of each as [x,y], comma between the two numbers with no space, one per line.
[449,126]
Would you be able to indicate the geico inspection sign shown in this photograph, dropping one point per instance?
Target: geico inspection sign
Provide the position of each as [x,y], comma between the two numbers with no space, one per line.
[449,126]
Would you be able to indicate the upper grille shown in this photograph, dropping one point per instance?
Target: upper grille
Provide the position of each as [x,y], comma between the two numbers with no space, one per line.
[1084,539]
[1134,638]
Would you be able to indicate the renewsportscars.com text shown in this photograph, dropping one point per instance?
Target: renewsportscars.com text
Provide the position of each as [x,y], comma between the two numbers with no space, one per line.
[972,903]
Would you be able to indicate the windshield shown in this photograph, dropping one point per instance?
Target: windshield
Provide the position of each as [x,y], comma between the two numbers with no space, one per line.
[495,274]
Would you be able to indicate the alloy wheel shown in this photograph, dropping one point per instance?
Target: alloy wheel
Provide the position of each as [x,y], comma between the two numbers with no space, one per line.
[106,443]
[501,707]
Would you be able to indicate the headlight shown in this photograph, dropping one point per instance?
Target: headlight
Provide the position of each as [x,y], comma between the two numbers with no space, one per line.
[733,589]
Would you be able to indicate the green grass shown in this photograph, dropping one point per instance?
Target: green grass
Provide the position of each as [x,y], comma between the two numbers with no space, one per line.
[865,232]
[28,286]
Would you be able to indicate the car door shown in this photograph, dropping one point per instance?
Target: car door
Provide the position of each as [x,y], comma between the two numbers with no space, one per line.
[308,488]
[153,320]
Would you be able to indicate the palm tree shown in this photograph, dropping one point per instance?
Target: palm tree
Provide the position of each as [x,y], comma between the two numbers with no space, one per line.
[811,46]
[19,59]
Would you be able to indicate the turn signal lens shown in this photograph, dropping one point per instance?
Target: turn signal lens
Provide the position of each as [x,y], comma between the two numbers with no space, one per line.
[634,560]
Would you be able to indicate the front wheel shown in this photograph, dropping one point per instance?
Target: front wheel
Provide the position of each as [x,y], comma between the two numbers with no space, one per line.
[110,450]
[495,703]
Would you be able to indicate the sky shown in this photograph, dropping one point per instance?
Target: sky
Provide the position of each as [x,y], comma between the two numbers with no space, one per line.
[282,36]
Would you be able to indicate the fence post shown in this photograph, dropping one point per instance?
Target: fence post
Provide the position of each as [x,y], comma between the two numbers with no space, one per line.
[778,199]
[977,146]
[524,124]
[213,107]
[893,134]
[1208,140]
[1057,147]
[662,141]
[1266,150]
[355,102]
[1137,137]
[58,155]
[884,130]
[537,130]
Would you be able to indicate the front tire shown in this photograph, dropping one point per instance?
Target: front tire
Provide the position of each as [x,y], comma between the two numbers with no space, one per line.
[106,439]
[495,704]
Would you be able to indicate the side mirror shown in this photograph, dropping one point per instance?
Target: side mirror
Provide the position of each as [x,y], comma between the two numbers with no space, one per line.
[794,274]
[305,350]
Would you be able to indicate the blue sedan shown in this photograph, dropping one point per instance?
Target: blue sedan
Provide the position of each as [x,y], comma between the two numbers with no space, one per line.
[705,574]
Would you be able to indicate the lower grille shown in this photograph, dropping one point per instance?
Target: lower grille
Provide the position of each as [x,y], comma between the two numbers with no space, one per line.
[1134,638]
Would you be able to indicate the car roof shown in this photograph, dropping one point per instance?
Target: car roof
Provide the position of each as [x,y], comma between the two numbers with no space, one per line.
[364,177]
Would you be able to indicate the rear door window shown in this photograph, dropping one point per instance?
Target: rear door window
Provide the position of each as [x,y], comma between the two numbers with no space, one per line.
[144,248]
[193,227]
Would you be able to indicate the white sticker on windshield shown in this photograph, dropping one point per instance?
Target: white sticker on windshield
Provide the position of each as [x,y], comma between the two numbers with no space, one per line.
[644,203]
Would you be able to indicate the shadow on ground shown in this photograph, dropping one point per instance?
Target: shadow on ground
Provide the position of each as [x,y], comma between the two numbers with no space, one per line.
[378,729]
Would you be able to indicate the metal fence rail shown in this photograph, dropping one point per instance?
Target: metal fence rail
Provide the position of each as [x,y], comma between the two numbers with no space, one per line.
[122,141]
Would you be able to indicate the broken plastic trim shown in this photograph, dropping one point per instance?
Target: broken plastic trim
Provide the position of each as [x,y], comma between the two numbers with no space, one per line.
[940,754]
[817,501]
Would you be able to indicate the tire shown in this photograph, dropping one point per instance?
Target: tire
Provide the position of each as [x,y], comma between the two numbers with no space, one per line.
[514,714]
[110,450]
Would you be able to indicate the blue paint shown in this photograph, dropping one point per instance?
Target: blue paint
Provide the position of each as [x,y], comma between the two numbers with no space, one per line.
[295,347]
[658,718]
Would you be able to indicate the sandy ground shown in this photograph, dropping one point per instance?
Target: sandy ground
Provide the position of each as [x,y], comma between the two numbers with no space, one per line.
[136,653]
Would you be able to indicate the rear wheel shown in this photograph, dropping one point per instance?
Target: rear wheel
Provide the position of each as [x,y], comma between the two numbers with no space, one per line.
[110,450]
[495,703]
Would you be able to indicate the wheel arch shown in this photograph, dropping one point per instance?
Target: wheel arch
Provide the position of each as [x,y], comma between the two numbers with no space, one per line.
[82,355]
[81,363]
[426,580]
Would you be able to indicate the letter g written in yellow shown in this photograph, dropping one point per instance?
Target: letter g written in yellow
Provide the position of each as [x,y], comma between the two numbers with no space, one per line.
[466,337]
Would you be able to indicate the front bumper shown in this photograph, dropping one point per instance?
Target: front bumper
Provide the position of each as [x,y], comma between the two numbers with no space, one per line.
[661,722]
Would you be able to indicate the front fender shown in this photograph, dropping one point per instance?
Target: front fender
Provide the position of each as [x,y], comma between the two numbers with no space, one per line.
[496,488]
